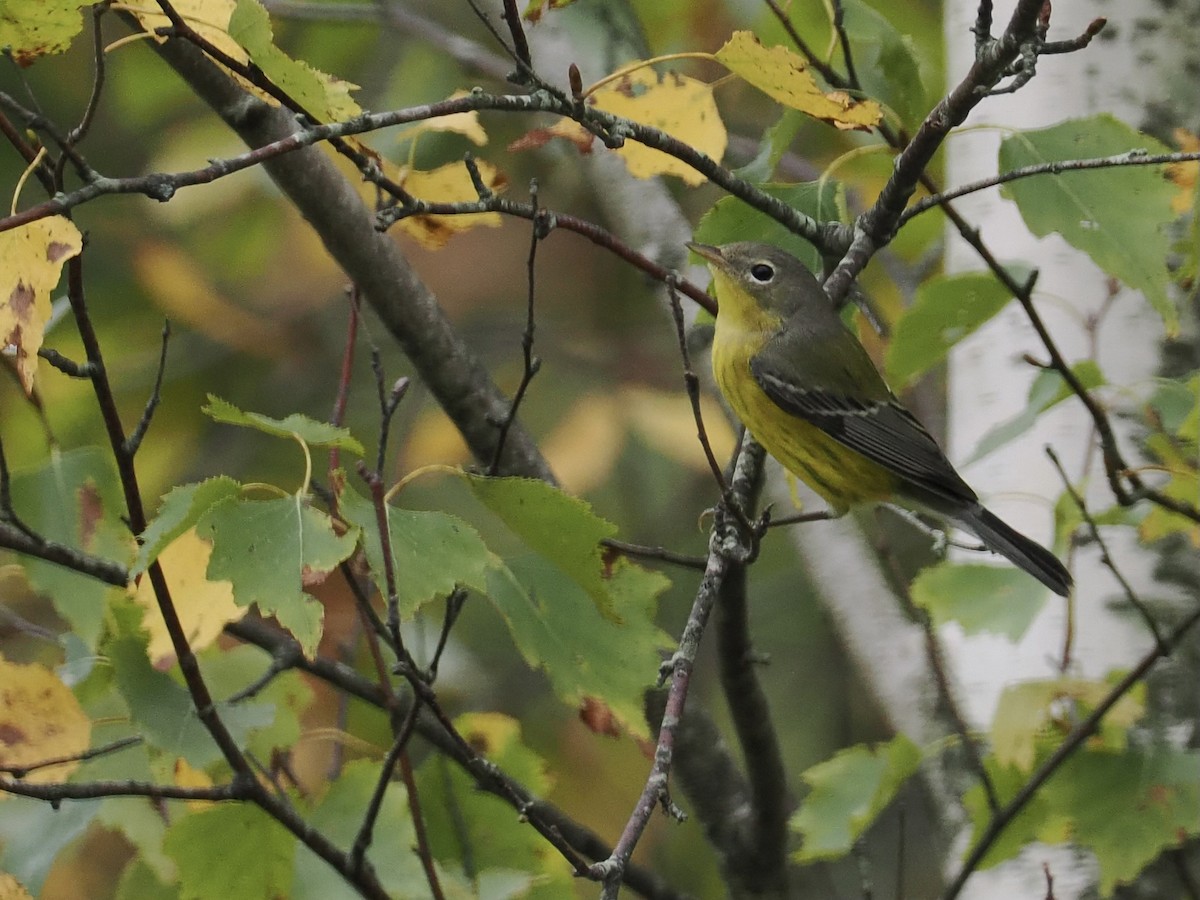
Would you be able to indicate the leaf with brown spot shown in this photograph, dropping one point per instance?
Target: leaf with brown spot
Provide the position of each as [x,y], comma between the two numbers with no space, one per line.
[40,720]
[30,31]
[565,128]
[599,718]
[31,261]
[91,511]
[786,77]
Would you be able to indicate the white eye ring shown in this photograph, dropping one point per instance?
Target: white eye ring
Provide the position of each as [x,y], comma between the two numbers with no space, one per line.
[762,272]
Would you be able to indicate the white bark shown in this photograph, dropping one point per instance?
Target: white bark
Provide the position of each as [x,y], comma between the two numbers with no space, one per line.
[989,381]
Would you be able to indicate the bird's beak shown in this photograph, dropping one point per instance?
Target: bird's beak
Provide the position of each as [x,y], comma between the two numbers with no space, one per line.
[708,252]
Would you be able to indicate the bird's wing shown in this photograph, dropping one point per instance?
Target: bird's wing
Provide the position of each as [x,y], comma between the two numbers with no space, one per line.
[856,409]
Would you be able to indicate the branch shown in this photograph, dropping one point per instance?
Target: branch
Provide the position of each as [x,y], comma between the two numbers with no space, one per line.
[469,54]
[760,863]
[106,570]
[728,546]
[1070,744]
[547,819]
[876,226]
[373,261]
[1121,160]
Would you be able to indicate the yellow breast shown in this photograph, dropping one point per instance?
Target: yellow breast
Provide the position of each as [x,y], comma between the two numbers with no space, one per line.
[840,475]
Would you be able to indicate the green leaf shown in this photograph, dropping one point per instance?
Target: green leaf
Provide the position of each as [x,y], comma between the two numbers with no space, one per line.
[30,30]
[555,525]
[1048,390]
[457,812]
[1033,715]
[75,499]
[848,793]
[1179,459]
[1117,216]
[231,850]
[33,833]
[181,509]
[321,95]
[339,815]
[269,550]
[980,598]
[775,142]
[1127,807]
[1035,820]
[432,552]
[586,655]
[732,220]
[886,62]
[1176,406]
[945,311]
[1099,792]
[162,708]
[312,432]
[139,881]
[286,697]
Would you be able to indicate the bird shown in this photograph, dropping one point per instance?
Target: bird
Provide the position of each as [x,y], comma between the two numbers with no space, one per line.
[805,387]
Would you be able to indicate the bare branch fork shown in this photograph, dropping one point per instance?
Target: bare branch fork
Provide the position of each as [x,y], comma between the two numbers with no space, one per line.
[728,547]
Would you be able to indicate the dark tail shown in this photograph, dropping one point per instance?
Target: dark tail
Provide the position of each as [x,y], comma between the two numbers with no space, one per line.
[1018,549]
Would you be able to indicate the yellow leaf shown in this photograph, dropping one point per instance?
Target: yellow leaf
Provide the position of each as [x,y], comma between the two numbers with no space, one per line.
[464,123]
[203,606]
[450,183]
[188,777]
[1031,711]
[782,75]
[433,439]
[209,18]
[184,291]
[682,107]
[1184,174]
[1183,484]
[584,447]
[30,31]
[40,720]
[665,421]
[322,95]
[31,261]
[11,889]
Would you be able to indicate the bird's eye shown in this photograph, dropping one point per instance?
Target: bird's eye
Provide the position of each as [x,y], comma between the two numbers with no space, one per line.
[762,272]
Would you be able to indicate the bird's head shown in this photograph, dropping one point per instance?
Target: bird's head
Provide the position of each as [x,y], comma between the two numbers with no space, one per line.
[758,281]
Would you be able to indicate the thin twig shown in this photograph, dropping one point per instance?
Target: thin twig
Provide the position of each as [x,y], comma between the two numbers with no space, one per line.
[374,483]
[1120,160]
[660,553]
[338,415]
[454,606]
[43,170]
[79,132]
[134,442]
[938,667]
[21,772]
[565,835]
[1070,744]
[389,402]
[726,547]
[1106,557]
[512,18]
[691,384]
[193,679]
[531,364]
[839,26]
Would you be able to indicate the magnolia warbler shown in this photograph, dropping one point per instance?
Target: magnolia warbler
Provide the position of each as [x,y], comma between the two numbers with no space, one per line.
[806,389]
